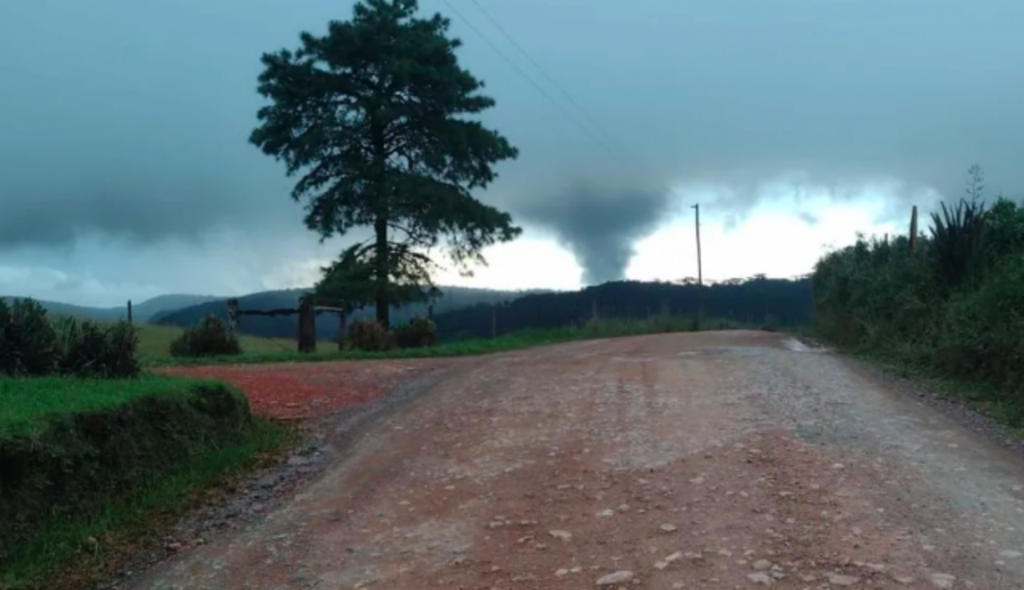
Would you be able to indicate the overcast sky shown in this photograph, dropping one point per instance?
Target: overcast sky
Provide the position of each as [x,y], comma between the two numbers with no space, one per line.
[125,170]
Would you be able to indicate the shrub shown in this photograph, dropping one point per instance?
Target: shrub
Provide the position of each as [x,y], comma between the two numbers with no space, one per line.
[370,336]
[88,349]
[28,342]
[417,333]
[209,338]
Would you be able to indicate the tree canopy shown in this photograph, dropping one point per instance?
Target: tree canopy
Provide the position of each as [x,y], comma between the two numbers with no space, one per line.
[374,119]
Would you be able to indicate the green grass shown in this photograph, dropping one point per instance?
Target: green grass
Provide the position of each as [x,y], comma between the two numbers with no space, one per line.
[78,553]
[155,342]
[24,403]
[77,550]
[475,346]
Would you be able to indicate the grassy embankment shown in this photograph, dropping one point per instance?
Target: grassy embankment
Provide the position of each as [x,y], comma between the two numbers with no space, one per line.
[93,469]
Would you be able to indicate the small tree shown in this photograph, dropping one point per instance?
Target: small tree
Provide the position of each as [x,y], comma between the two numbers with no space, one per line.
[374,116]
[349,283]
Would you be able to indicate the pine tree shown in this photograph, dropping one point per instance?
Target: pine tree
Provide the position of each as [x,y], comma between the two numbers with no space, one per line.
[375,119]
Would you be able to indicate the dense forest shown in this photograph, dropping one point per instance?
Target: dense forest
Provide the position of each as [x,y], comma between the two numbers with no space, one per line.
[462,312]
[756,301]
[950,304]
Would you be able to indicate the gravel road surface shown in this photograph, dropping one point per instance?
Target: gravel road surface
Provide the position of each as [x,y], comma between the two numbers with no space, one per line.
[683,461]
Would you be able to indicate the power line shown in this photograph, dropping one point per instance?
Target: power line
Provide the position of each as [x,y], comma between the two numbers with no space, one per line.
[607,137]
[548,77]
[529,79]
[602,141]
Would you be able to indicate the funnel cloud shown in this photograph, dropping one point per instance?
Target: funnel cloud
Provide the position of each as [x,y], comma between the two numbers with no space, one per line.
[601,225]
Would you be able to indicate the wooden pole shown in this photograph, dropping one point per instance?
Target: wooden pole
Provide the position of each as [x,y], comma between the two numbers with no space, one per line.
[494,320]
[913,228]
[129,311]
[342,327]
[232,318]
[307,324]
[700,270]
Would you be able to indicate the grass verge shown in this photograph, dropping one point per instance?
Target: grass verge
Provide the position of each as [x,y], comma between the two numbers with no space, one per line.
[90,482]
[512,341]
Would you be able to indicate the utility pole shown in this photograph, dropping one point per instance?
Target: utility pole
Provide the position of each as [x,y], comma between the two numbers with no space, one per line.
[700,271]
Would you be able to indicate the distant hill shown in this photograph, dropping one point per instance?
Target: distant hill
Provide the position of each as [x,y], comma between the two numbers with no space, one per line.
[141,312]
[163,304]
[327,329]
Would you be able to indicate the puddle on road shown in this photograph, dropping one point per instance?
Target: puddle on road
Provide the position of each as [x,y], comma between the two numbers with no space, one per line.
[794,345]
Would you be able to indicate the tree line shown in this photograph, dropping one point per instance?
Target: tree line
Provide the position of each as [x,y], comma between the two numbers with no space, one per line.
[757,301]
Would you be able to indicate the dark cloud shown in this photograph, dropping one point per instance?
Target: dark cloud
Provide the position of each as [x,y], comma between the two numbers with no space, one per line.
[144,137]
[600,224]
[808,218]
[146,213]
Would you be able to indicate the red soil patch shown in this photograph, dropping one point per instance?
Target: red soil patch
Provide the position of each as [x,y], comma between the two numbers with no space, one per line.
[307,390]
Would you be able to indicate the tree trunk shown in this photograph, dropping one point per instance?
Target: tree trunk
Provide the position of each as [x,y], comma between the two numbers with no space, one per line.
[342,329]
[307,324]
[232,326]
[380,228]
[380,222]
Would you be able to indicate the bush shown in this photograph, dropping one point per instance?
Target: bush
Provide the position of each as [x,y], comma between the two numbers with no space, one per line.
[28,342]
[370,336]
[31,344]
[209,338]
[66,466]
[88,349]
[417,333]
[951,307]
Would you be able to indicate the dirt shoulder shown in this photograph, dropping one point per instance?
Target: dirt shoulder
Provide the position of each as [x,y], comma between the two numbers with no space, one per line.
[709,460]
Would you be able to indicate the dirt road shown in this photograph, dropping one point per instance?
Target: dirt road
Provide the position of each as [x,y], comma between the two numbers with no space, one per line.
[714,460]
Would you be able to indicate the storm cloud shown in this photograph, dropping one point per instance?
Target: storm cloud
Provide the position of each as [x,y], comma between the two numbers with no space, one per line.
[601,224]
[117,126]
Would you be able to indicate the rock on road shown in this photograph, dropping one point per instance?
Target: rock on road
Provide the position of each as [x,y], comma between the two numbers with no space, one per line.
[712,460]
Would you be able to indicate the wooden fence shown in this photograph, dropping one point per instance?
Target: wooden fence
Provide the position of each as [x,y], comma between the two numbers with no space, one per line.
[307,312]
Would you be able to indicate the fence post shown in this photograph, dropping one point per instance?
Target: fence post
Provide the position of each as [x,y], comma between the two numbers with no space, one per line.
[307,324]
[342,327]
[494,320]
[232,317]
[913,228]
[129,311]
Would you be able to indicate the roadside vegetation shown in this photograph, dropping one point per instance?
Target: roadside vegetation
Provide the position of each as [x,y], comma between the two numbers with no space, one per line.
[96,454]
[600,328]
[949,308]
